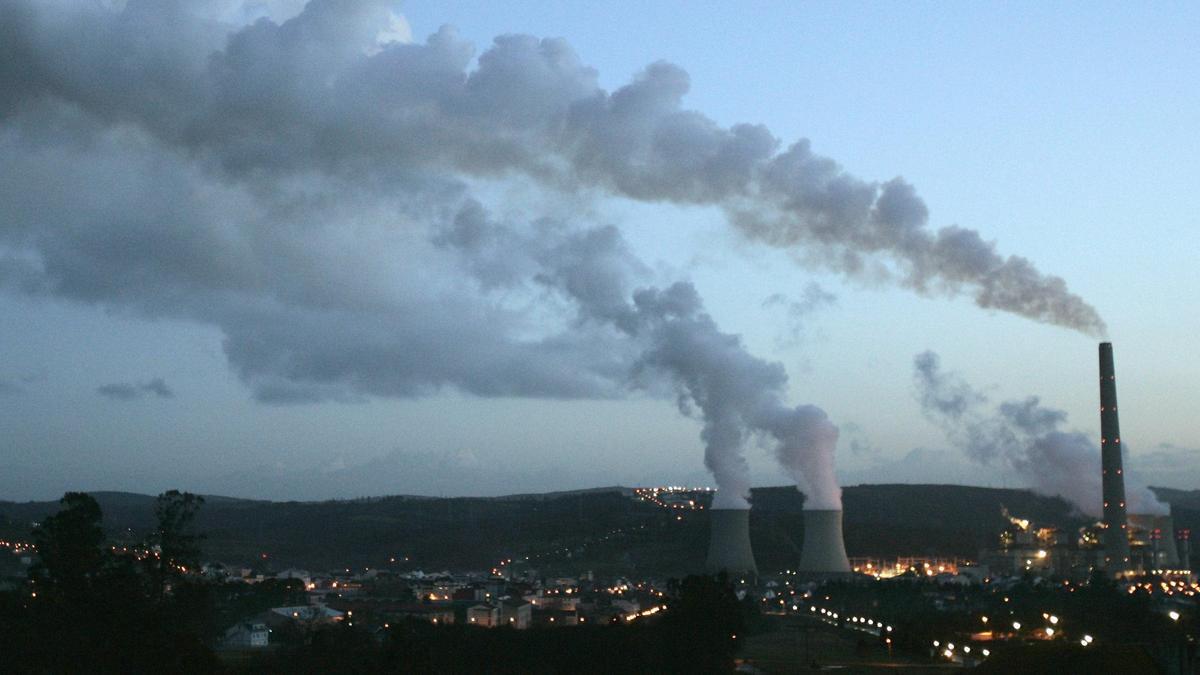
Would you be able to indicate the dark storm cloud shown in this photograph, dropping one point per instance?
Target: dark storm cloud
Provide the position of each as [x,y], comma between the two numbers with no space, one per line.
[317,98]
[1023,436]
[128,391]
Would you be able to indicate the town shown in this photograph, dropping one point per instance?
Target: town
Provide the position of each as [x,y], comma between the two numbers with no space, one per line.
[906,609]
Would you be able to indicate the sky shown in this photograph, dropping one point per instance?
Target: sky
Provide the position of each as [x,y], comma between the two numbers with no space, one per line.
[263,250]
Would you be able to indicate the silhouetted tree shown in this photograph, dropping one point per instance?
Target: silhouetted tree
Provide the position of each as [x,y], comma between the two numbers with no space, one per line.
[177,547]
[90,610]
[69,549]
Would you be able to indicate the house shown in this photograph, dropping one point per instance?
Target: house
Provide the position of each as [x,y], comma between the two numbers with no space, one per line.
[483,614]
[516,613]
[439,614]
[555,617]
[305,614]
[246,635]
[304,576]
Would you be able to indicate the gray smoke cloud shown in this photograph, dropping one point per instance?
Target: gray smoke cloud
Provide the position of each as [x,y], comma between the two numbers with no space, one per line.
[812,298]
[667,338]
[320,93]
[1023,436]
[128,391]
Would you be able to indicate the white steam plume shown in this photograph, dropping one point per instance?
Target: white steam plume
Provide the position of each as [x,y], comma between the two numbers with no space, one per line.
[673,340]
[319,93]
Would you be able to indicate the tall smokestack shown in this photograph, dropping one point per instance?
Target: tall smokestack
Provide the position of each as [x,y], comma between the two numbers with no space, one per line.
[729,544]
[824,551]
[1116,540]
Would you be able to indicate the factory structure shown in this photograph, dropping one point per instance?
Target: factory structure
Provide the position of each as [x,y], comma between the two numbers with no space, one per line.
[1133,543]
[1121,543]
[729,542]
[1115,524]
[823,554]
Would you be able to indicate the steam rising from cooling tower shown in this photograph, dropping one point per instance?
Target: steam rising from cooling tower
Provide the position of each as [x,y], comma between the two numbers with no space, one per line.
[665,339]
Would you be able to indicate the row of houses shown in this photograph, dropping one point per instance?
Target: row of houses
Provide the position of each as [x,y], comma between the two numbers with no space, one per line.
[384,598]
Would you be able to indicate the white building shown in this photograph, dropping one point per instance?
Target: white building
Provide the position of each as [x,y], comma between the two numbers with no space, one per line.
[246,635]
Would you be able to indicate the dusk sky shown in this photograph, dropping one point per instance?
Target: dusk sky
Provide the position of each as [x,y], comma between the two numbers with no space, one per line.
[266,250]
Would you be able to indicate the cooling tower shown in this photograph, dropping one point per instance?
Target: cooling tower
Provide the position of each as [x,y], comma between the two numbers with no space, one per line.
[824,551]
[729,543]
[1116,539]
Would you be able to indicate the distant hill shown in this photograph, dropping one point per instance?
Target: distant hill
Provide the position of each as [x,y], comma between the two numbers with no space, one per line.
[571,531]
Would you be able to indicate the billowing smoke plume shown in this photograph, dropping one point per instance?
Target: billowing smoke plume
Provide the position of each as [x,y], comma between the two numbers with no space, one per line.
[326,94]
[1023,436]
[305,187]
[668,335]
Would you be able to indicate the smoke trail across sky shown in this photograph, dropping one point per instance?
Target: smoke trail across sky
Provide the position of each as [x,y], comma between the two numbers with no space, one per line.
[318,93]
[309,187]
[1022,435]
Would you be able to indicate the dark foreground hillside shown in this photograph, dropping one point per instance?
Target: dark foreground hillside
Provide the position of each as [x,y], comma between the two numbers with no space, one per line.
[603,530]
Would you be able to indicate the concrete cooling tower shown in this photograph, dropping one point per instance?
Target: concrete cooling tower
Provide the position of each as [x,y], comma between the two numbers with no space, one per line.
[824,552]
[729,543]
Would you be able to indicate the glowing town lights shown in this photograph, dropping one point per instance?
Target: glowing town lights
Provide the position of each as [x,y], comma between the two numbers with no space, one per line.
[986,652]
[983,619]
[936,643]
[948,654]
[950,646]
[1016,625]
[1174,615]
[1049,632]
[967,649]
[1041,554]
[1054,619]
